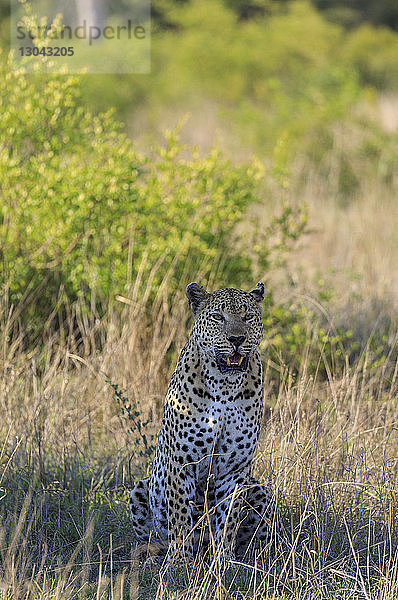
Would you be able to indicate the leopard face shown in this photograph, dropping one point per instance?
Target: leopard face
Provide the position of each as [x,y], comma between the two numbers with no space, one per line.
[228,326]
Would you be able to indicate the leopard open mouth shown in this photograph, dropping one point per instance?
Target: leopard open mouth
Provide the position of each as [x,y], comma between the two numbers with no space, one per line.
[236,362]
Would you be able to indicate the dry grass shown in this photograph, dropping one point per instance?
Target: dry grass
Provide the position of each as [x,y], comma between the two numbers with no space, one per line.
[330,451]
[354,247]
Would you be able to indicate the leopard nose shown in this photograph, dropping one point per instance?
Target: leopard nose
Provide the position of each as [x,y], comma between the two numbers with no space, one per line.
[236,341]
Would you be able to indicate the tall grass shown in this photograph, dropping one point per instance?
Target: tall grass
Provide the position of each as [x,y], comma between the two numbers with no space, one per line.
[69,455]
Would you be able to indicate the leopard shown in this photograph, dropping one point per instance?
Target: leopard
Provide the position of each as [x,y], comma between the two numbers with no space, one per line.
[202,476]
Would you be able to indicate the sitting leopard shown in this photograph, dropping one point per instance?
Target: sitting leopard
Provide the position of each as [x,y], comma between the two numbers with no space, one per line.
[209,432]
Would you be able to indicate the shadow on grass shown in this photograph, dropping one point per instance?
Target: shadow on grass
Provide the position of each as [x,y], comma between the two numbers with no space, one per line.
[73,540]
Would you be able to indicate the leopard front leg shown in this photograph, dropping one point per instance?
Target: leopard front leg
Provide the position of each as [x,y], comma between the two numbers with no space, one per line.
[229,496]
[180,489]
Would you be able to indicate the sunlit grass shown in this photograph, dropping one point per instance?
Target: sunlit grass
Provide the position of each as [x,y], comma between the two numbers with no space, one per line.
[68,457]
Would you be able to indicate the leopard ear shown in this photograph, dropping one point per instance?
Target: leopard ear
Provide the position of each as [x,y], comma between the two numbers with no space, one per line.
[258,293]
[196,295]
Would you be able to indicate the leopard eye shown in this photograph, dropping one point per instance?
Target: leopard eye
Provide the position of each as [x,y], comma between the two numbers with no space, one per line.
[217,316]
[248,317]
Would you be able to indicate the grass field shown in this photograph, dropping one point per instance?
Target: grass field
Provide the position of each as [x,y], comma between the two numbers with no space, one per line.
[68,456]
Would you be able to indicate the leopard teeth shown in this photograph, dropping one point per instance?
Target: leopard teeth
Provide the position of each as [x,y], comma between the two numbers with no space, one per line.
[228,361]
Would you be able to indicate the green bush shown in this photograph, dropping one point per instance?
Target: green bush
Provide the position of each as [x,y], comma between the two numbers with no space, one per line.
[84,216]
[287,75]
[281,74]
[373,53]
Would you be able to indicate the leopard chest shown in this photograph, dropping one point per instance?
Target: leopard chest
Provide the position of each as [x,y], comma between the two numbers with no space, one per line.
[211,433]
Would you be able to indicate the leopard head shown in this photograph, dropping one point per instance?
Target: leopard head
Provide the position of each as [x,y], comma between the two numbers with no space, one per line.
[228,325]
